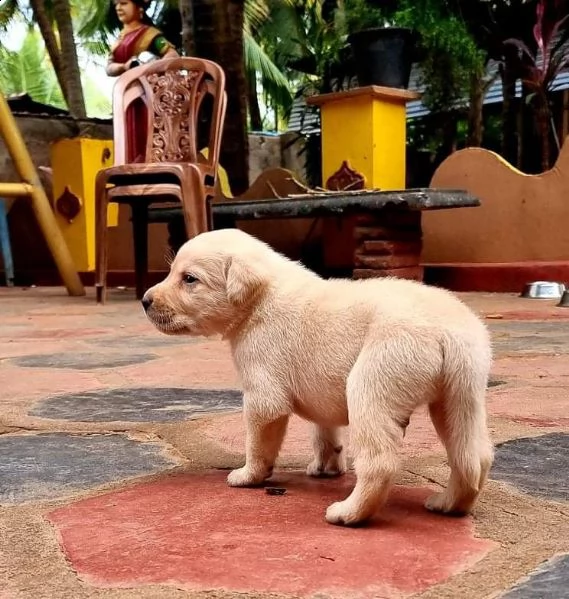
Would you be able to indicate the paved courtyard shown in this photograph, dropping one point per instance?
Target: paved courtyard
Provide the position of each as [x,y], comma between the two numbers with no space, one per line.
[115,442]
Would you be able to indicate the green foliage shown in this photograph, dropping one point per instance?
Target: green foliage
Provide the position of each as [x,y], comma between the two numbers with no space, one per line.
[9,10]
[449,54]
[27,71]
[355,15]
[274,83]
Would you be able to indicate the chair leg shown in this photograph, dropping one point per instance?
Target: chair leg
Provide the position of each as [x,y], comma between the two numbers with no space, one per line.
[5,245]
[177,235]
[194,205]
[140,237]
[101,238]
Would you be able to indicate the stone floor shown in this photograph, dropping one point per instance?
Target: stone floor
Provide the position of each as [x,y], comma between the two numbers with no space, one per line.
[116,441]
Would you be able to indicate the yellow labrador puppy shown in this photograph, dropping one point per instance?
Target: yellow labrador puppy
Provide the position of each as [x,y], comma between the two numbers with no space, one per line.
[336,352]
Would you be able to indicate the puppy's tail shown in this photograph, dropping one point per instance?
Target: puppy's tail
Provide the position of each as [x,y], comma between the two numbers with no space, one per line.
[460,416]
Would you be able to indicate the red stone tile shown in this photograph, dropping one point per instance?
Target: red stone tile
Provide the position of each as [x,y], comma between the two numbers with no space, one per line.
[34,383]
[533,369]
[59,333]
[194,531]
[192,366]
[538,406]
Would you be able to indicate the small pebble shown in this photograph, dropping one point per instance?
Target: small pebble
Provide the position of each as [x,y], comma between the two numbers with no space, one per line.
[275,490]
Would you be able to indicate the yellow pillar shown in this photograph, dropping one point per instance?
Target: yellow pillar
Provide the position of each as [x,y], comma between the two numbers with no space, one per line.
[75,163]
[366,127]
[17,149]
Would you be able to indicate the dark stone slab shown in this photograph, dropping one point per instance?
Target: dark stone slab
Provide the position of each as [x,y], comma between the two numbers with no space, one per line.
[142,342]
[144,404]
[530,337]
[549,581]
[330,204]
[80,361]
[334,203]
[538,465]
[37,467]
[495,383]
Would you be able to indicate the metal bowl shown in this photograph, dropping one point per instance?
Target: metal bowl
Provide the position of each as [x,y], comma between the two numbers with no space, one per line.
[543,290]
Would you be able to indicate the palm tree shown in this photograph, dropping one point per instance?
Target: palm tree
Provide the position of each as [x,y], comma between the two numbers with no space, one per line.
[69,63]
[63,54]
[25,71]
[218,36]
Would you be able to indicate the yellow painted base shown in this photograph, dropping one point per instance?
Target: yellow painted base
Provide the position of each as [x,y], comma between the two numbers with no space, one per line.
[367,128]
[75,164]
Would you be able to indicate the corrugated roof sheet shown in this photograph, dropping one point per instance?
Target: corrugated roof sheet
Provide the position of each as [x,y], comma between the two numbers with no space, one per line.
[305,119]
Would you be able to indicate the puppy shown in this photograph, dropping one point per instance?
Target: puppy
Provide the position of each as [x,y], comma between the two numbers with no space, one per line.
[336,352]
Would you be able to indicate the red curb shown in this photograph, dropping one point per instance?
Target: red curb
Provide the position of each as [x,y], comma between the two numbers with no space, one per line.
[194,531]
[494,277]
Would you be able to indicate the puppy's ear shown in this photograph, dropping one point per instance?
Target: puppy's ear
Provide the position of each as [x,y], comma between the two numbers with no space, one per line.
[243,281]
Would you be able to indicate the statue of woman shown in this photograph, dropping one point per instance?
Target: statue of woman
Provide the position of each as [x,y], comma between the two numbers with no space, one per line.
[137,35]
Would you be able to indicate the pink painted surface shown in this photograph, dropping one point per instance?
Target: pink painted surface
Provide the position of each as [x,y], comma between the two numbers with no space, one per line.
[193,531]
[229,433]
[541,406]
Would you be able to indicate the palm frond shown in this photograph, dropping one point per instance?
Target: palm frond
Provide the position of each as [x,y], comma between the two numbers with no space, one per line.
[8,11]
[27,70]
[98,104]
[95,18]
[273,81]
[255,13]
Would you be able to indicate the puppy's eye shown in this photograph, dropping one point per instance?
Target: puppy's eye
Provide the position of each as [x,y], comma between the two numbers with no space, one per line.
[189,279]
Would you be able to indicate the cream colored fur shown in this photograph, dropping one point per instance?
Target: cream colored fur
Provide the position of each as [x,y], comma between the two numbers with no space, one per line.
[367,353]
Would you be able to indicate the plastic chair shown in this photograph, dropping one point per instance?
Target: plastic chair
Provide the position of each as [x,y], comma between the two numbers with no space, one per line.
[162,104]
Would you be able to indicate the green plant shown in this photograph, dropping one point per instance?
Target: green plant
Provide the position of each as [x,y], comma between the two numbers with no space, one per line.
[541,68]
[447,52]
[357,15]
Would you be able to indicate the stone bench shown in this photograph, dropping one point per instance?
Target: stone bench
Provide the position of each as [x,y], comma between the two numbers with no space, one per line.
[387,230]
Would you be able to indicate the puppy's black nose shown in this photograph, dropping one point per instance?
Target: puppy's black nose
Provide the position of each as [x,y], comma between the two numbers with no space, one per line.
[146,302]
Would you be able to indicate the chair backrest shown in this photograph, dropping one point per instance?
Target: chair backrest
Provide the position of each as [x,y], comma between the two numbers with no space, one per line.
[182,96]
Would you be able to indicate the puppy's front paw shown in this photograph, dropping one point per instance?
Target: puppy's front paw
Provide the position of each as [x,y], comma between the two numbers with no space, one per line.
[341,513]
[244,477]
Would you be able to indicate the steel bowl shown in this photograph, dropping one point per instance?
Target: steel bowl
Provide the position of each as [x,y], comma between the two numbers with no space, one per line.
[543,290]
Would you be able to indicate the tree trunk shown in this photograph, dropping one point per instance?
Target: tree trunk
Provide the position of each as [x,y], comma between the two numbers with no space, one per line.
[69,61]
[188,27]
[448,132]
[543,131]
[509,114]
[253,101]
[219,37]
[46,29]
[475,121]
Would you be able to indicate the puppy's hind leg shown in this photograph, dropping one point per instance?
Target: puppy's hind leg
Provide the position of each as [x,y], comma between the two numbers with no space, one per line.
[459,416]
[329,454]
[265,434]
[381,396]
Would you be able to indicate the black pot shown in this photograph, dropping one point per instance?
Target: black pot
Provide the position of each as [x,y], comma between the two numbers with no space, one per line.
[383,56]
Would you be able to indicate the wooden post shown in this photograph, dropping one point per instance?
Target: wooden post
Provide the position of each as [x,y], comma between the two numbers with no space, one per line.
[364,142]
[17,148]
[366,127]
